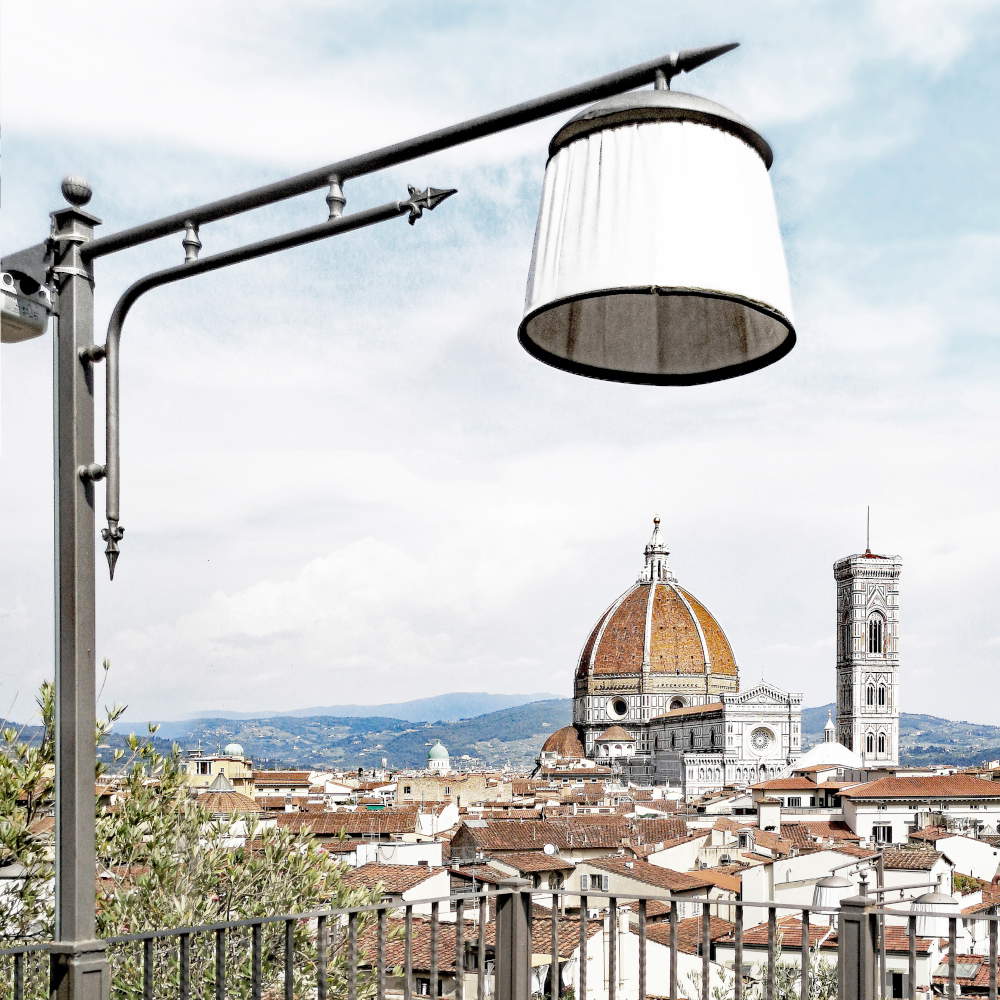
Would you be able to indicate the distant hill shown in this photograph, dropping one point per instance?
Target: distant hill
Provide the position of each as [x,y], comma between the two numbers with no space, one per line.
[439,708]
[923,739]
[510,735]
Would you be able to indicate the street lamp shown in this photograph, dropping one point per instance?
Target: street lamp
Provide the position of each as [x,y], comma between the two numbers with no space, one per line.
[646,319]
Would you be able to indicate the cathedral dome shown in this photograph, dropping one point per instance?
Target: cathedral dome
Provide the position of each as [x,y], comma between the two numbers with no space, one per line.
[565,742]
[656,626]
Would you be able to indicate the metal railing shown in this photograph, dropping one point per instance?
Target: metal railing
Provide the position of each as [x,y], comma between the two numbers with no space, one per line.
[520,942]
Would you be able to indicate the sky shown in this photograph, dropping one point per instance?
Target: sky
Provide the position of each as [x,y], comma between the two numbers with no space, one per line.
[343,480]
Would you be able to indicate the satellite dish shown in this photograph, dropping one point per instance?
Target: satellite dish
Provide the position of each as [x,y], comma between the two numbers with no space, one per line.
[550,849]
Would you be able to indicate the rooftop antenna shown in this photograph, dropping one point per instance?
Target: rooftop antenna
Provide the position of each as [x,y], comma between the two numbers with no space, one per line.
[868,530]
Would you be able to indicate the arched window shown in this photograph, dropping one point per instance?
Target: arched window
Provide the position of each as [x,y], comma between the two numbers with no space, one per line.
[870,695]
[691,738]
[876,633]
[676,703]
[881,743]
[881,696]
[870,743]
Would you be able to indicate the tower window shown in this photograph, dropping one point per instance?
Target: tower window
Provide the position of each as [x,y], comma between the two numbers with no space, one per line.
[870,695]
[876,634]
[881,743]
[870,743]
[881,695]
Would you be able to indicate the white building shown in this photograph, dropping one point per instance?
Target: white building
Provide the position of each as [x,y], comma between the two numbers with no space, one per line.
[888,810]
[438,760]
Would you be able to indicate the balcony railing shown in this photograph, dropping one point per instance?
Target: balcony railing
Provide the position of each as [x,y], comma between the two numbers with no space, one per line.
[517,943]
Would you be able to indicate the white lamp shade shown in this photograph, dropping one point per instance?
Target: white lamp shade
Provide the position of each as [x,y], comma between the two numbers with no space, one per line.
[933,911]
[657,255]
[831,891]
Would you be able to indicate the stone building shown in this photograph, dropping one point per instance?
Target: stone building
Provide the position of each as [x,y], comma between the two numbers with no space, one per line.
[868,656]
[657,698]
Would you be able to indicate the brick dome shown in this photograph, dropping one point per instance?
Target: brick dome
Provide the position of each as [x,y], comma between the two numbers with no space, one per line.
[565,742]
[659,624]
[616,733]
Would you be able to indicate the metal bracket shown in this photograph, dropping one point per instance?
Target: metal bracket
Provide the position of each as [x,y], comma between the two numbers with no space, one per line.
[92,473]
[92,354]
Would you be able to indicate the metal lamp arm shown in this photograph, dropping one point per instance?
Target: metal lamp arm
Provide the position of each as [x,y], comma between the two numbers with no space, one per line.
[113,533]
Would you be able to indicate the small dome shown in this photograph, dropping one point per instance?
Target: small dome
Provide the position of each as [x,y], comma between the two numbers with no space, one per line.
[437,752]
[233,750]
[565,742]
[615,733]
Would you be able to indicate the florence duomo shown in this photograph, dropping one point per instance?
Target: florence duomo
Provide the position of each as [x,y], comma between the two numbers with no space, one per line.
[657,695]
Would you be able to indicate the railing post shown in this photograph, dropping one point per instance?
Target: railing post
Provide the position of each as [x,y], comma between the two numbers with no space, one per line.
[857,935]
[513,953]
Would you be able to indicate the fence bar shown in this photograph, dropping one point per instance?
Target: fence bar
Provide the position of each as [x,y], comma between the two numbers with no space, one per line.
[460,950]
[642,949]
[147,969]
[738,955]
[408,954]
[706,948]
[804,958]
[582,991]
[554,944]
[992,924]
[772,934]
[434,950]
[380,955]
[612,947]
[352,956]
[321,943]
[484,915]
[289,960]
[256,975]
[952,964]
[673,950]
[911,955]
[19,976]
[184,966]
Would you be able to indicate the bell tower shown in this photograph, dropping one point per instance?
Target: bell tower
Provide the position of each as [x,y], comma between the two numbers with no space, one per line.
[868,625]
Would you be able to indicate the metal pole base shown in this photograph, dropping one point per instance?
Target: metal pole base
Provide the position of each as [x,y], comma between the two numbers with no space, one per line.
[79,971]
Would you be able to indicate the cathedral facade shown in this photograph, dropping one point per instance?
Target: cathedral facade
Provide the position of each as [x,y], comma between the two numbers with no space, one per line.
[657,694]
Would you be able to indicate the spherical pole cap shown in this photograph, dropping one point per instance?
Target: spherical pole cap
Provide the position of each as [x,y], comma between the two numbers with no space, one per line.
[76,190]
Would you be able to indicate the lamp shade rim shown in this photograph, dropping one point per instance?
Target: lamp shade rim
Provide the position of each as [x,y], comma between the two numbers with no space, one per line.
[643,106]
[658,378]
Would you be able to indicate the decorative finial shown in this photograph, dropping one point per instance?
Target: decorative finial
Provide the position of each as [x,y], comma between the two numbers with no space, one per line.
[429,198]
[868,530]
[112,534]
[76,190]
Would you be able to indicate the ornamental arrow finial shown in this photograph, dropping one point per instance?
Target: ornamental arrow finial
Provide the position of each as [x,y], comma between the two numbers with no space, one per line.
[429,198]
[112,534]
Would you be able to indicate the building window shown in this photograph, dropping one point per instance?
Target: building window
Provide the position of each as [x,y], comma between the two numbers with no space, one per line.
[204,767]
[447,789]
[870,743]
[406,789]
[599,883]
[881,696]
[870,694]
[882,833]
[794,801]
[881,743]
[876,634]
[675,704]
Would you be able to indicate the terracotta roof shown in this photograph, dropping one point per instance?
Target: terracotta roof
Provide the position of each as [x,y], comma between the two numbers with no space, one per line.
[788,784]
[479,873]
[690,934]
[910,859]
[931,833]
[351,824]
[567,933]
[832,829]
[582,832]
[565,742]
[677,713]
[535,861]
[978,967]
[948,786]
[281,778]
[615,733]
[227,802]
[722,880]
[392,878]
[643,871]
[684,637]
[790,932]
[773,842]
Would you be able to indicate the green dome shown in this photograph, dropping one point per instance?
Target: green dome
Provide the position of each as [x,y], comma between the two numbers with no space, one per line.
[437,752]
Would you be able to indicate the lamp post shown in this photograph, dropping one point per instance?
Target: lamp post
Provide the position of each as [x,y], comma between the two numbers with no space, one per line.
[745,317]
